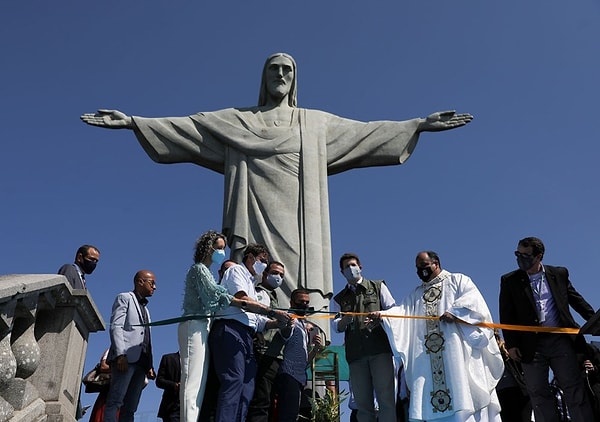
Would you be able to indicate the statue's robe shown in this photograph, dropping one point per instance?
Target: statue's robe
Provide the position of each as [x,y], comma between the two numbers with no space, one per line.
[276,176]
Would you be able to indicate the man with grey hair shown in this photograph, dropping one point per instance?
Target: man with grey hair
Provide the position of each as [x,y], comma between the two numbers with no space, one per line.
[277,150]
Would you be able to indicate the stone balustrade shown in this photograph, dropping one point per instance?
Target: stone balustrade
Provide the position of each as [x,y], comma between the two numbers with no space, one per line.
[44,328]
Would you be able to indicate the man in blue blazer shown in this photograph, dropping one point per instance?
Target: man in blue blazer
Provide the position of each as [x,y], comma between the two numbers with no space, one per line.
[540,295]
[130,354]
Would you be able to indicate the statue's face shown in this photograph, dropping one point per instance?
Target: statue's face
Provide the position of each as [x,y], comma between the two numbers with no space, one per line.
[279,75]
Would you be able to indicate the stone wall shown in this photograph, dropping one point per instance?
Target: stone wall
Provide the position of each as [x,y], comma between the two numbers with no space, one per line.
[44,328]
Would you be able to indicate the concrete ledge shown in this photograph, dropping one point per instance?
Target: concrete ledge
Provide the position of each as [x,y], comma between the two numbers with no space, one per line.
[35,412]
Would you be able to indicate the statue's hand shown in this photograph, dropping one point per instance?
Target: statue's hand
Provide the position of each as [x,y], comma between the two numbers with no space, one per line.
[444,120]
[112,119]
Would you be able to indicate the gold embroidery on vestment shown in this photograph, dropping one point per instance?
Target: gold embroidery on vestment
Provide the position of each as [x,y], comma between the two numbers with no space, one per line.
[434,344]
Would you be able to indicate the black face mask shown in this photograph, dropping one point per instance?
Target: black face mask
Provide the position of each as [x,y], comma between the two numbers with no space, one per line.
[424,273]
[88,266]
[525,263]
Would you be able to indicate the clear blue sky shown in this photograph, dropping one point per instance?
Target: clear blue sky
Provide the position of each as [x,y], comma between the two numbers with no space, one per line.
[527,164]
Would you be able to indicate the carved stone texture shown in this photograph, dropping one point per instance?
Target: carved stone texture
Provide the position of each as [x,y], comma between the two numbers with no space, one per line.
[8,363]
[19,393]
[48,324]
[34,412]
[24,345]
[6,410]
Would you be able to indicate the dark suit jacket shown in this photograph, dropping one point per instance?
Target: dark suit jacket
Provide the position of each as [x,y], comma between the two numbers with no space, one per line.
[517,306]
[71,273]
[169,374]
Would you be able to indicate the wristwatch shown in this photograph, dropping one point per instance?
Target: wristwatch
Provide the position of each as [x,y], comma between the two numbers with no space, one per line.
[244,304]
[271,313]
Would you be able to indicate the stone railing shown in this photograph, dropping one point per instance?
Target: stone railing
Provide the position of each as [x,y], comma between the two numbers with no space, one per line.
[44,328]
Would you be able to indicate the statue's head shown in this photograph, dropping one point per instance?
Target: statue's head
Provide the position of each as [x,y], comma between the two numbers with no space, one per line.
[264,94]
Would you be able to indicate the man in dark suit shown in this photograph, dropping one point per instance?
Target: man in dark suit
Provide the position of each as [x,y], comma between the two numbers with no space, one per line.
[86,258]
[168,378]
[540,295]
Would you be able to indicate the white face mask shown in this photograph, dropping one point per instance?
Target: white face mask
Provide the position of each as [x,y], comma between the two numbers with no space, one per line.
[259,267]
[352,273]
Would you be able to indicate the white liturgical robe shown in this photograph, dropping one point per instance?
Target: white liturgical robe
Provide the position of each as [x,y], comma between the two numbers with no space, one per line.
[451,368]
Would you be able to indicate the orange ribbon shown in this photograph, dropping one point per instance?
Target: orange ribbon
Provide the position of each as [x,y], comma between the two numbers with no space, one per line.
[512,327]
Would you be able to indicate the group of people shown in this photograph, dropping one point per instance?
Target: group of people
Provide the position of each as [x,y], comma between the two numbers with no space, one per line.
[129,357]
[272,151]
[226,325]
[451,360]
[436,338]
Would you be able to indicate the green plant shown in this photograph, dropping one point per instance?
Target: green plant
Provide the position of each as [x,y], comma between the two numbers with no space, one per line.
[327,408]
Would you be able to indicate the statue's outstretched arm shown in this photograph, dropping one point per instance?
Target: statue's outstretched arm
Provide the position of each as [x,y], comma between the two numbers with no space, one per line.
[111,119]
[444,120]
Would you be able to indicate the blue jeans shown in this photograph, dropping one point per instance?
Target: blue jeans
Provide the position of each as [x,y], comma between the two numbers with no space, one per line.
[124,393]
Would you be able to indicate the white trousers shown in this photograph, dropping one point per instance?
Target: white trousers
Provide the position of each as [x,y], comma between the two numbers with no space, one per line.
[193,348]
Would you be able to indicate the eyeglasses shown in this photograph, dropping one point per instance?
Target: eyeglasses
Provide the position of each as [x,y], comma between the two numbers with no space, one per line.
[523,255]
[150,281]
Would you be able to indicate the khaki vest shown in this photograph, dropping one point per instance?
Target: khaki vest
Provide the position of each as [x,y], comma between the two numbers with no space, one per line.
[358,339]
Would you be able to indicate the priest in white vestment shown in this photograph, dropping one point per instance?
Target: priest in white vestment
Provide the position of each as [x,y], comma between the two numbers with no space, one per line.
[451,368]
[276,158]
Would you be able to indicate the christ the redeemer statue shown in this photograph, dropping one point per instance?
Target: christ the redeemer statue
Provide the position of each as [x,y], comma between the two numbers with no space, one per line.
[276,158]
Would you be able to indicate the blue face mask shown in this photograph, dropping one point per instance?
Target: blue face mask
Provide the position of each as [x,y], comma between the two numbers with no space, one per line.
[352,273]
[218,256]
[273,281]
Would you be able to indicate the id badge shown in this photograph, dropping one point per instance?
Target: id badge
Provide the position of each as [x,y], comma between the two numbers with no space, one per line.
[542,315]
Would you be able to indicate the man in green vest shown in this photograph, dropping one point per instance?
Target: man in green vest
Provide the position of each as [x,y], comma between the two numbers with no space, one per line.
[368,351]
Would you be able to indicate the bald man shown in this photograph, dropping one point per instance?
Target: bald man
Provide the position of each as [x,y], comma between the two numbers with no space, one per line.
[130,354]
